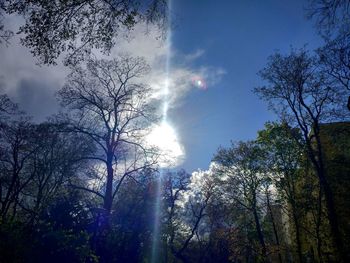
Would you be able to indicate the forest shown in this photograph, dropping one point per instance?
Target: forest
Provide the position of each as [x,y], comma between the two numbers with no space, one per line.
[85,185]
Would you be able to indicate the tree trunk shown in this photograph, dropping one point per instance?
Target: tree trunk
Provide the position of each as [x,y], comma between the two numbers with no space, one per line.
[317,160]
[332,217]
[258,229]
[318,225]
[9,198]
[297,234]
[274,227]
[108,197]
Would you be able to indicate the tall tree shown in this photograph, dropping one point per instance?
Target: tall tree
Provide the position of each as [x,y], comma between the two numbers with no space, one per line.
[300,93]
[175,186]
[108,104]
[190,221]
[243,166]
[57,161]
[284,156]
[332,20]
[16,147]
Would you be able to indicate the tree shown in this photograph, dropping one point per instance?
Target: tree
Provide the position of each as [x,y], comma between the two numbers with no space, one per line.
[188,217]
[56,163]
[5,35]
[175,185]
[109,106]
[76,27]
[242,164]
[7,107]
[302,95]
[335,58]
[284,156]
[129,239]
[16,149]
[332,19]
[329,14]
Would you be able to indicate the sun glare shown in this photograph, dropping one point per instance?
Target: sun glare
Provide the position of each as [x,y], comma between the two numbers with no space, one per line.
[164,137]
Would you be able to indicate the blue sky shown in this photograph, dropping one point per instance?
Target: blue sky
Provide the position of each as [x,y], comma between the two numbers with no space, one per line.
[237,36]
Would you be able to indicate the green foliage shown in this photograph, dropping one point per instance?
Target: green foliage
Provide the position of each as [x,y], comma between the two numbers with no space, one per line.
[76,27]
[43,243]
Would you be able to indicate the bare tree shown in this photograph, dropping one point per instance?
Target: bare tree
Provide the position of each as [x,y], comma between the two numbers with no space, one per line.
[57,161]
[335,59]
[300,93]
[16,149]
[7,107]
[109,105]
[332,19]
[188,217]
[329,14]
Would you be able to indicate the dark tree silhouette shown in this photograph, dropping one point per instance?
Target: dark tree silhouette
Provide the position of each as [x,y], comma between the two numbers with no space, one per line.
[7,107]
[107,103]
[332,19]
[188,215]
[300,93]
[329,14]
[16,149]
[335,59]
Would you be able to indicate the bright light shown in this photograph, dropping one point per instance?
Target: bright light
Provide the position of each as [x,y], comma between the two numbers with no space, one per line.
[199,82]
[164,137]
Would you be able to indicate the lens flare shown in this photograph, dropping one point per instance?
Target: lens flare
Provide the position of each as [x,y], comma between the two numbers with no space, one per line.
[199,82]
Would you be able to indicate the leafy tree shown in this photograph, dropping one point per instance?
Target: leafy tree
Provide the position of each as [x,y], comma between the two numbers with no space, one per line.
[188,200]
[243,166]
[5,35]
[303,96]
[76,27]
[59,236]
[284,156]
[129,238]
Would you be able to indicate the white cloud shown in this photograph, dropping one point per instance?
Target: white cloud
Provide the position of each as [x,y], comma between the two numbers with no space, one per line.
[17,66]
[195,55]
[155,51]
[179,79]
[27,83]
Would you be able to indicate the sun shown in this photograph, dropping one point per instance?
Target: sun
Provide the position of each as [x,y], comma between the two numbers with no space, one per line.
[164,137]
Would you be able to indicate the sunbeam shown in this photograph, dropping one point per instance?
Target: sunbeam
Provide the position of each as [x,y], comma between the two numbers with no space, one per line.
[168,140]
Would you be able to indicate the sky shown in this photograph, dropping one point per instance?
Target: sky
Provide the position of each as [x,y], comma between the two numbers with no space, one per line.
[222,43]
[236,36]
